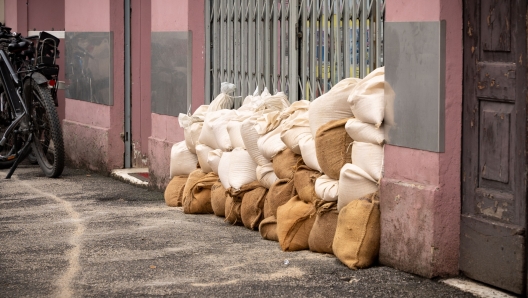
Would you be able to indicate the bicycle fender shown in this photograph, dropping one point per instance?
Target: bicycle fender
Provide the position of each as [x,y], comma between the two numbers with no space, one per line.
[39,78]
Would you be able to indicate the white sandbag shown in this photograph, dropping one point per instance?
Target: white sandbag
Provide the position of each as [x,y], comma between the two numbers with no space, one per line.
[235,134]
[250,138]
[242,168]
[278,102]
[202,151]
[354,183]
[332,105]
[223,169]
[327,188]
[199,114]
[270,144]
[365,132]
[367,100]
[266,176]
[182,161]
[291,137]
[213,159]
[369,157]
[307,146]
[223,100]
[192,134]
[214,132]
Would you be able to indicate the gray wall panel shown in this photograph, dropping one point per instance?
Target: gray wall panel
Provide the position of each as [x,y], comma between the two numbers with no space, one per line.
[415,90]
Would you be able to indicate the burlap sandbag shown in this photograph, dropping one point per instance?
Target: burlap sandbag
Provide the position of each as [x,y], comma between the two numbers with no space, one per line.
[357,238]
[233,212]
[322,235]
[174,191]
[268,228]
[332,147]
[285,163]
[197,192]
[304,182]
[218,199]
[279,193]
[252,208]
[295,220]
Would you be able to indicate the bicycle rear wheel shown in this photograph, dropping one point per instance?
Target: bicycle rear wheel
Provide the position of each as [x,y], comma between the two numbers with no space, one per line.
[47,143]
[8,151]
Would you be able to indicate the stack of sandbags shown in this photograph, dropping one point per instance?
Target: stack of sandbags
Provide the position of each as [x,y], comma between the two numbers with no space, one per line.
[214,132]
[197,192]
[174,192]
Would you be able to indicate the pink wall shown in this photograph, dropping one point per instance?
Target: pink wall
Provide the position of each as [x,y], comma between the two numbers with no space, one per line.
[422,189]
[90,125]
[16,15]
[176,15]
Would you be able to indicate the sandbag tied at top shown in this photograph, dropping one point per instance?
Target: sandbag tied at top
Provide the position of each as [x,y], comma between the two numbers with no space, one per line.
[218,199]
[192,126]
[224,100]
[308,152]
[304,182]
[270,144]
[365,132]
[367,99]
[242,168]
[252,207]
[332,146]
[295,220]
[327,188]
[174,192]
[332,105]
[197,193]
[369,157]
[233,212]
[214,132]
[223,169]
[213,159]
[321,237]
[266,176]
[182,161]
[279,193]
[357,237]
[354,183]
[268,228]
[202,152]
[250,138]
[285,164]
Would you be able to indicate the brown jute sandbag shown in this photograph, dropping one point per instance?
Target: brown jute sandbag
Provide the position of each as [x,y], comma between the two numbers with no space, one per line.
[357,238]
[295,220]
[323,231]
[218,199]
[174,191]
[197,192]
[304,181]
[268,228]
[279,193]
[332,147]
[285,163]
[233,212]
[252,208]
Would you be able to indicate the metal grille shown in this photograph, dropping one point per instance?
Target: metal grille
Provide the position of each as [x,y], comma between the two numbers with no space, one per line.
[285,45]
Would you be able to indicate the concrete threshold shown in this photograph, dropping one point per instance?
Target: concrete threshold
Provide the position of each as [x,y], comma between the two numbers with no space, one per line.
[132,176]
[475,288]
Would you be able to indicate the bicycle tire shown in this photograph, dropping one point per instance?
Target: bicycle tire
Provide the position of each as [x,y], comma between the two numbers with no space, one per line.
[47,143]
[8,150]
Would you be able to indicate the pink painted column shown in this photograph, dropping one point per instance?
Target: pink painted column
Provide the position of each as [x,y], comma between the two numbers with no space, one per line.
[92,131]
[420,194]
[16,15]
[172,16]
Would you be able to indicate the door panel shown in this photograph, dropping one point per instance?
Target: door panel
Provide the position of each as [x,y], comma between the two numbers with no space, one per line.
[493,219]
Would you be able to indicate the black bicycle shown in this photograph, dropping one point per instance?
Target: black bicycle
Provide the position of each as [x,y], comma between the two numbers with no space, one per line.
[28,96]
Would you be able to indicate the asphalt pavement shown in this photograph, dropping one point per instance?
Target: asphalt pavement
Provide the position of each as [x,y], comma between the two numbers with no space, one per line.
[88,235]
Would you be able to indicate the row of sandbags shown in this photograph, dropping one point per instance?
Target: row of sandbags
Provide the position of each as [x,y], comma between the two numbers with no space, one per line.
[289,170]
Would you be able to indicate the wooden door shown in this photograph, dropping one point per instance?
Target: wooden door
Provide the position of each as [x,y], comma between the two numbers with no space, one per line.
[493,223]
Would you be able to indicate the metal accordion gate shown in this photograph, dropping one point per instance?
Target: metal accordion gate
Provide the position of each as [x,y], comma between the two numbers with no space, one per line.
[300,47]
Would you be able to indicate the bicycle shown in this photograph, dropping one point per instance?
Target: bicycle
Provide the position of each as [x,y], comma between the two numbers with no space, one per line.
[28,97]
